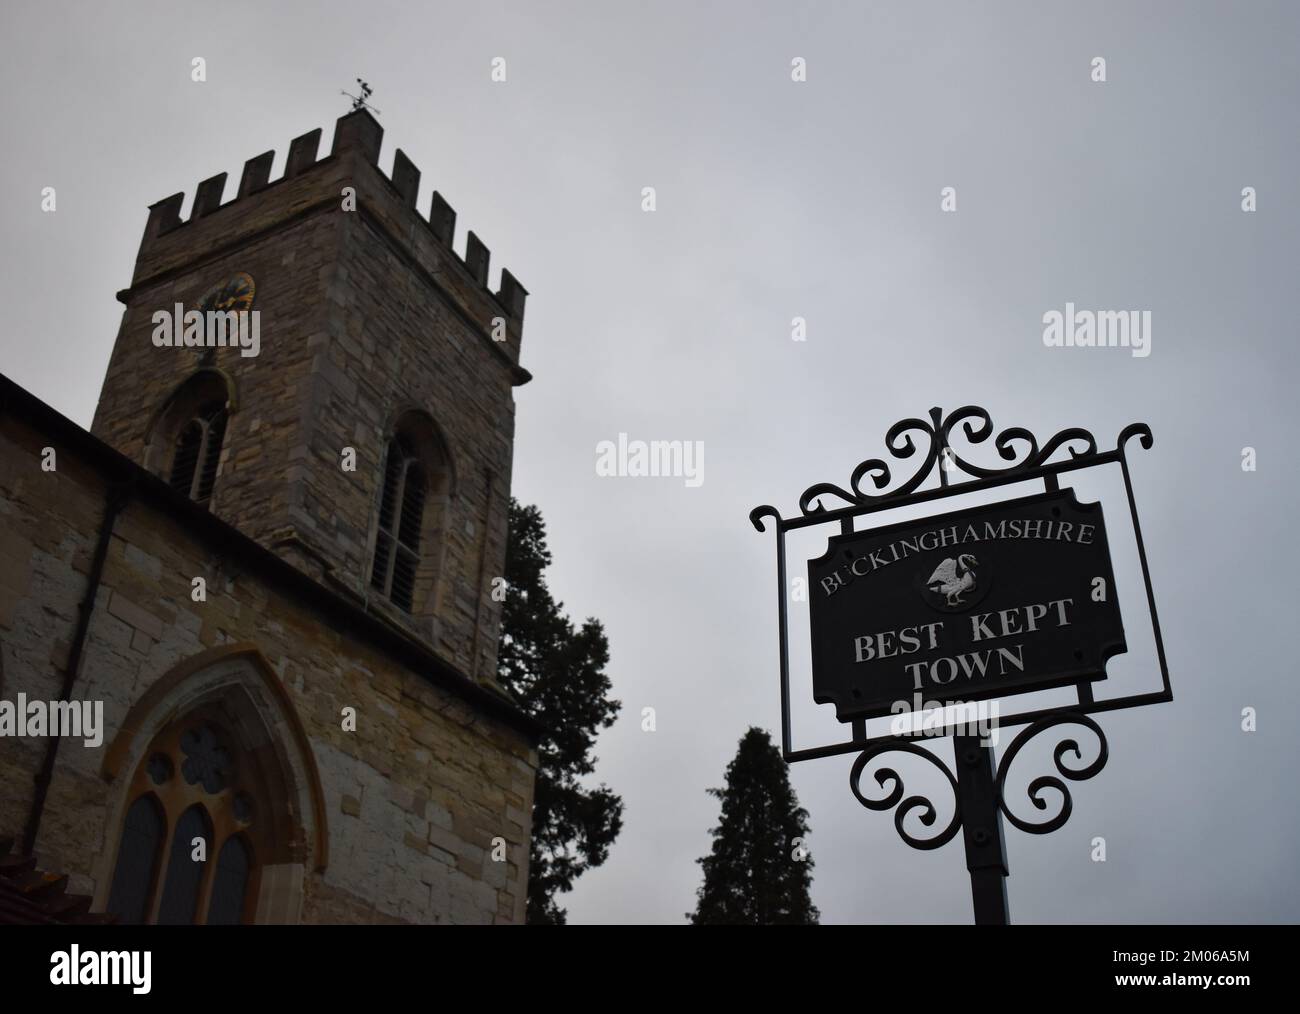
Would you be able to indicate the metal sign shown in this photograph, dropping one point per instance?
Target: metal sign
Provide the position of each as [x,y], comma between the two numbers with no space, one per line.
[992,601]
[1003,599]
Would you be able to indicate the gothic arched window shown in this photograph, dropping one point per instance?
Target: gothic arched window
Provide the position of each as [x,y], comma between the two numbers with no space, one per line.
[401,517]
[194,782]
[197,451]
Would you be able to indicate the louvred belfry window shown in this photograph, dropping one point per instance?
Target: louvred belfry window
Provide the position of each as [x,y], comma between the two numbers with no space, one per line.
[401,515]
[197,451]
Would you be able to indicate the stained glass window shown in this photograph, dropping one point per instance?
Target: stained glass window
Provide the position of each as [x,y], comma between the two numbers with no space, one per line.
[230,884]
[137,861]
[180,897]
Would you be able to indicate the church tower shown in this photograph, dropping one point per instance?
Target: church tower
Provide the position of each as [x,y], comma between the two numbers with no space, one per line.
[369,439]
[269,570]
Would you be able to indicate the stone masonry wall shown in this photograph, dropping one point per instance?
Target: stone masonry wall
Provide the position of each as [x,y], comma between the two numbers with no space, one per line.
[413,798]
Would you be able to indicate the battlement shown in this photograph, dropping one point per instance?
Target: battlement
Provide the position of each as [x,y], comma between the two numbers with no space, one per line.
[357,140]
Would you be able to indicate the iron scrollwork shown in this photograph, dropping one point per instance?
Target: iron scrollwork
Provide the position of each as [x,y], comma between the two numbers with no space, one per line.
[977,425]
[932,439]
[928,813]
[1036,787]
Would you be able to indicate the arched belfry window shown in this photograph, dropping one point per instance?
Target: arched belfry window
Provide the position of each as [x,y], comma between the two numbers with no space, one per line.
[413,500]
[201,824]
[197,452]
[401,515]
[188,432]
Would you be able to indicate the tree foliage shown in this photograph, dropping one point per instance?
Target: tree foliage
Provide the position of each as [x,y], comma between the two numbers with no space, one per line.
[557,672]
[759,871]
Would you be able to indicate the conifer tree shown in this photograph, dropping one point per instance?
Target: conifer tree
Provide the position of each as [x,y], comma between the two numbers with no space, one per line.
[757,873]
[557,673]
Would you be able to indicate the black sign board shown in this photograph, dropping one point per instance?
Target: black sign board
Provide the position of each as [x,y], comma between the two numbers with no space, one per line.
[1002,599]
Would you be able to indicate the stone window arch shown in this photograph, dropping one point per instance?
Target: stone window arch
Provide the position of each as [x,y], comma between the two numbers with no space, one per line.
[213,751]
[210,788]
[415,491]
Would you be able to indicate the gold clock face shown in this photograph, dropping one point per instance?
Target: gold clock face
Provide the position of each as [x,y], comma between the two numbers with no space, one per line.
[235,294]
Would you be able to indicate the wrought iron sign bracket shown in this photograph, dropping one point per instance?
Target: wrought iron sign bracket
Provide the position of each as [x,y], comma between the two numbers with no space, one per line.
[979,787]
[888,776]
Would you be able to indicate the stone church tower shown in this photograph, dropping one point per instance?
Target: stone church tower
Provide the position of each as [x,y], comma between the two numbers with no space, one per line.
[375,336]
[274,571]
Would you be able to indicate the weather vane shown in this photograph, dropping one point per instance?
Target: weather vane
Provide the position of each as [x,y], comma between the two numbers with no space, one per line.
[359,102]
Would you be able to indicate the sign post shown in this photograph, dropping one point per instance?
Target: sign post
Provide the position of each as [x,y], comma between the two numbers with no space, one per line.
[958,609]
[986,851]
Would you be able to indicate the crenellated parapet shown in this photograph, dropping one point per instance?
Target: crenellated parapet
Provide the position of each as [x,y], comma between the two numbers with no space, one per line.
[312,184]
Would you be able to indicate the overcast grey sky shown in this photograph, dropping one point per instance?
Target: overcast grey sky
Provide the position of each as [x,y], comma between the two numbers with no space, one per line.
[777,200]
